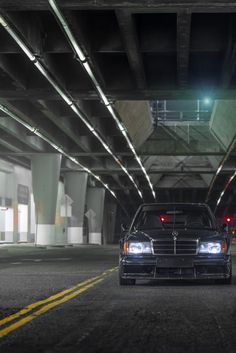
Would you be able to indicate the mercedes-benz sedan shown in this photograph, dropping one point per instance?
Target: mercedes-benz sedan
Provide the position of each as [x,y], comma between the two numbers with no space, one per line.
[174,241]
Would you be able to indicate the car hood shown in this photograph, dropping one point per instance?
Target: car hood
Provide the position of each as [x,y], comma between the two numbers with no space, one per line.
[201,234]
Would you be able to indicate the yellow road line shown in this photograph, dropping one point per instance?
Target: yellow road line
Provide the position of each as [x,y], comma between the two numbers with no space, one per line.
[44,309]
[113,269]
[45,301]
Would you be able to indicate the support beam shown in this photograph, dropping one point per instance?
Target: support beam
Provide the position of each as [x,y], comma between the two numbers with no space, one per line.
[229,64]
[8,65]
[183,42]
[136,171]
[34,94]
[75,23]
[29,27]
[163,188]
[123,154]
[19,133]
[129,35]
[174,148]
[142,5]
[64,125]
[176,137]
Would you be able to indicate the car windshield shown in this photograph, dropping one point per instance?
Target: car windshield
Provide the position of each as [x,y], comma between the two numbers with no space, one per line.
[187,217]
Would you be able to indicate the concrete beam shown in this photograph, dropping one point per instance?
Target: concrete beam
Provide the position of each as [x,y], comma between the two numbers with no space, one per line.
[149,6]
[64,125]
[8,65]
[17,131]
[129,35]
[75,22]
[123,154]
[223,122]
[137,171]
[173,147]
[137,119]
[118,94]
[183,42]
[229,64]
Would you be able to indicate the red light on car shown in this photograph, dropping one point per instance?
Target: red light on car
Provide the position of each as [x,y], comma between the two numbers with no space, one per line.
[162,219]
[228,219]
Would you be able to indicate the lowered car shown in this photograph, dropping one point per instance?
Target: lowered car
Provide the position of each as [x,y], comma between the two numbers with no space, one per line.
[174,241]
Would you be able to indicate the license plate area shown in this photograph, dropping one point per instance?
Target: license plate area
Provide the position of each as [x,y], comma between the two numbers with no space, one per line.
[174,262]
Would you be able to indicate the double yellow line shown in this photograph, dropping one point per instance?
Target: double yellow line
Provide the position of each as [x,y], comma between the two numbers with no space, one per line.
[28,314]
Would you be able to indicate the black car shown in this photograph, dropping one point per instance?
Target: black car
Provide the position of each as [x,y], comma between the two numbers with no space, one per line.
[174,241]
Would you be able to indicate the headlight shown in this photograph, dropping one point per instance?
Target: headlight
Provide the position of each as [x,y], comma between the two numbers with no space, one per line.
[212,248]
[137,248]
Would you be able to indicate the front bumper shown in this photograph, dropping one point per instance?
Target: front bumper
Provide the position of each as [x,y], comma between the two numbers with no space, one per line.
[175,267]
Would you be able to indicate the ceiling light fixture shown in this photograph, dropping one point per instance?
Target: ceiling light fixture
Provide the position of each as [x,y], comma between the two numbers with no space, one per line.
[22,45]
[88,69]
[225,188]
[63,95]
[59,15]
[222,163]
[44,72]
[54,145]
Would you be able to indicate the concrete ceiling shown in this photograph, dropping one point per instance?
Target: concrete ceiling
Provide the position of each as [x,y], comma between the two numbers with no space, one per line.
[156,60]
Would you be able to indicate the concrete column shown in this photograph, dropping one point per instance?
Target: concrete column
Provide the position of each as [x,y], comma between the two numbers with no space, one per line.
[95,207]
[109,221]
[15,210]
[45,178]
[60,220]
[75,188]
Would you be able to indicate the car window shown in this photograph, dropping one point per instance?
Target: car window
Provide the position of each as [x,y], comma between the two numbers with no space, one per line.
[176,217]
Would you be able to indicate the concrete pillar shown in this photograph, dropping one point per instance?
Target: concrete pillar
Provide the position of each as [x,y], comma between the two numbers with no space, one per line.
[60,219]
[23,212]
[45,178]
[95,208]
[109,221]
[75,188]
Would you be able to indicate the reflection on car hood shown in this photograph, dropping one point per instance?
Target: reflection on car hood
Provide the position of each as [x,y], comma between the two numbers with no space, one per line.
[201,234]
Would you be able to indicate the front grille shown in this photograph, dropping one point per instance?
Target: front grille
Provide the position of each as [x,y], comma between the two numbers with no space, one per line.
[174,247]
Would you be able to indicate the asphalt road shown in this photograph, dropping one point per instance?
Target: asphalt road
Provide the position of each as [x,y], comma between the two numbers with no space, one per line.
[99,316]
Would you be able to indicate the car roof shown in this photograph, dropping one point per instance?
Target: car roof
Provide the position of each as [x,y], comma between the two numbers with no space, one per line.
[174,203]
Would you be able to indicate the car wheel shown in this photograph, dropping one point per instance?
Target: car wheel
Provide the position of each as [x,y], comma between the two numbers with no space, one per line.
[126,282]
